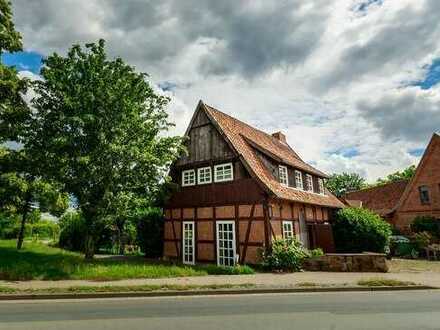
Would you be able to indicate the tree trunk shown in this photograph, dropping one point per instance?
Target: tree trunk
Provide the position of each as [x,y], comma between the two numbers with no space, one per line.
[23,224]
[121,238]
[89,246]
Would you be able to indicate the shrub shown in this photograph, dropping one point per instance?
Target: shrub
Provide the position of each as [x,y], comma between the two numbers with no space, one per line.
[46,229]
[316,253]
[422,239]
[73,231]
[150,232]
[285,255]
[358,230]
[427,224]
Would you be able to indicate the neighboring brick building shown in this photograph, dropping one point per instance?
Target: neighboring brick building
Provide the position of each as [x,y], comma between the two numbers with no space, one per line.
[400,202]
[239,188]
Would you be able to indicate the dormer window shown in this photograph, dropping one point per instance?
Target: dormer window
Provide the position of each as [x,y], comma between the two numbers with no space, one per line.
[282,170]
[188,178]
[309,182]
[321,186]
[223,172]
[298,180]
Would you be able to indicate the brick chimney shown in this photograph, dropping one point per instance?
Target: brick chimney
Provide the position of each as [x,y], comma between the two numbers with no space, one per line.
[279,136]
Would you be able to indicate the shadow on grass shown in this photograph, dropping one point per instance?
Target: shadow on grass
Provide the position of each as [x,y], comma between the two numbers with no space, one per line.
[35,261]
[40,262]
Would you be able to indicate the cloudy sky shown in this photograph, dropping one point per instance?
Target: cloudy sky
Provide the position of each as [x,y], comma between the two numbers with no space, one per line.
[354,84]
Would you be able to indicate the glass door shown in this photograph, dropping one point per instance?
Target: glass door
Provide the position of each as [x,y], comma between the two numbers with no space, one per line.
[226,243]
[188,242]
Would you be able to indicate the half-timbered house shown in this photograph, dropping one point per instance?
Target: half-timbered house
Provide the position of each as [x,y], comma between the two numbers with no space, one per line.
[240,188]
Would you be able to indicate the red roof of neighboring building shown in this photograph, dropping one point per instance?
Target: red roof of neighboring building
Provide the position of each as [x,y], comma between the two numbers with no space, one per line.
[382,199]
[242,137]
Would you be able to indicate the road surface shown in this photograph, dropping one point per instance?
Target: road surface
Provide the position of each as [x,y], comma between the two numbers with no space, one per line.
[354,310]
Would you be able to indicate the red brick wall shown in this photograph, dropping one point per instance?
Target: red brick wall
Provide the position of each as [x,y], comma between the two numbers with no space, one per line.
[428,174]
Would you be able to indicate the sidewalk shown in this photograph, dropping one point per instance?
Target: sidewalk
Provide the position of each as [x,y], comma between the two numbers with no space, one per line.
[262,280]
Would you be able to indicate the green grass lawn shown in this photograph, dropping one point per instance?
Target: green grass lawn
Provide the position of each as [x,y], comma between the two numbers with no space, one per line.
[37,261]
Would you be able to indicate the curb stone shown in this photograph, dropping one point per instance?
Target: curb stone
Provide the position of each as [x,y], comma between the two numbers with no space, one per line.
[45,296]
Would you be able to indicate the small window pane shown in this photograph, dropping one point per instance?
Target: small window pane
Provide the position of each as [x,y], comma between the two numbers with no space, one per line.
[204,175]
[288,230]
[223,172]
[283,175]
[321,186]
[298,180]
[309,182]
[188,178]
[424,195]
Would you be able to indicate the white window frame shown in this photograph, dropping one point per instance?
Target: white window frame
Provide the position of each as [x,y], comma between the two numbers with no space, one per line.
[216,168]
[321,186]
[199,171]
[184,254]
[299,183]
[288,234]
[309,179]
[217,225]
[193,183]
[284,179]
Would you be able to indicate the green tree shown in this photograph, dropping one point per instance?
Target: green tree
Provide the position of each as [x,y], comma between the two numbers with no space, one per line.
[340,184]
[13,109]
[405,174]
[99,129]
[360,230]
[21,191]
[21,188]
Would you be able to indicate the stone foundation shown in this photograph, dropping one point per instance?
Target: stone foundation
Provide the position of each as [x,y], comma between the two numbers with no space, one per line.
[348,262]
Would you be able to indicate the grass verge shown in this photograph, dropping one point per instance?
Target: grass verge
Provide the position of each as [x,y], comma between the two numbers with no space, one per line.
[384,282]
[132,288]
[37,261]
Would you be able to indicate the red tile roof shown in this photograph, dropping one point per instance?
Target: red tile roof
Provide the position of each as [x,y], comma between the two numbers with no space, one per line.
[242,136]
[382,199]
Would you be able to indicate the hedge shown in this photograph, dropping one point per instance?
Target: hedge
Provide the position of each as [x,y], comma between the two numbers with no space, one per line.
[360,230]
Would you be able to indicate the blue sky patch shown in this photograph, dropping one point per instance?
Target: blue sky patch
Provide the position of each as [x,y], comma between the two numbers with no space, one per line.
[416,152]
[348,152]
[363,6]
[23,61]
[432,75]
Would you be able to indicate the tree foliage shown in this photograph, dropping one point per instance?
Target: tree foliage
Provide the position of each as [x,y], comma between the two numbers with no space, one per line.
[10,39]
[98,130]
[340,184]
[405,174]
[360,230]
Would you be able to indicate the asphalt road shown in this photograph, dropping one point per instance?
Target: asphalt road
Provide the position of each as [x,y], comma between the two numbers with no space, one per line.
[363,310]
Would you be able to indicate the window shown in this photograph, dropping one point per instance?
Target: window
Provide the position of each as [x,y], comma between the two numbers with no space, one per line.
[321,186]
[226,255]
[309,182]
[188,178]
[282,170]
[204,175]
[288,230]
[424,194]
[188,242]
[298,180]
[223,172]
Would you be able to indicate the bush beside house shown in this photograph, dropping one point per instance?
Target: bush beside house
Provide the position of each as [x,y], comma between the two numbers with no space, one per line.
[360,230]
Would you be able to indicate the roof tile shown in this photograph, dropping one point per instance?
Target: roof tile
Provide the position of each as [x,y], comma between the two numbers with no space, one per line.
[238,133]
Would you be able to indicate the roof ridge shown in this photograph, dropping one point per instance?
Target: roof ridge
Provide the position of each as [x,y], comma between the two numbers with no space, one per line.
[379,186]
[252,127]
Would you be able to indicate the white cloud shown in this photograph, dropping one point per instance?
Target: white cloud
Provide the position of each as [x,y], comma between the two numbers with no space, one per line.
[330,77]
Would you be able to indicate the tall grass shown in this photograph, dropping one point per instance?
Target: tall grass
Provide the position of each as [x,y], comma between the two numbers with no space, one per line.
[38,261]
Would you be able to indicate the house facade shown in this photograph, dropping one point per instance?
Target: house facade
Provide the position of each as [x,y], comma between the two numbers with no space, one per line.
[238,189]
[400,202]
